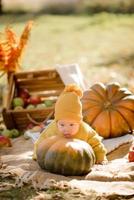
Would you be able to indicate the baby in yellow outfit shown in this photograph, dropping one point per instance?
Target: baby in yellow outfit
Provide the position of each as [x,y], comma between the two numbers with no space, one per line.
[68,122]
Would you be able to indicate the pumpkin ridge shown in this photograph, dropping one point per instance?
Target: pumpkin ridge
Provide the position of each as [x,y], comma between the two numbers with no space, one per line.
[98,94]
[87,111]
[104,132]
[124,108]
[75,164]
[58,155]
[110,124]
[127,103]
[90,105]
[108,91]
[97,116]
[94,117]
[117,100]
[41,160]
[85,161]
[50,149]
[93,100]
[64,163]
[46,161]
[121,97]
[66,160]
[91,94]
[124,119]
[45,154]
[81,155]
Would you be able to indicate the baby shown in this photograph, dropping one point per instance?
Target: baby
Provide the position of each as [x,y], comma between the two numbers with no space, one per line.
[68,123]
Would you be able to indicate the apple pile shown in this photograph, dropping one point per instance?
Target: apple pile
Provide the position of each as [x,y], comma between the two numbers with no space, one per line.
[27,101]
[13,133]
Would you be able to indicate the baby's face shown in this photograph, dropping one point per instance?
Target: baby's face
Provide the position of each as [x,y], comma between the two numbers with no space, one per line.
[68,127]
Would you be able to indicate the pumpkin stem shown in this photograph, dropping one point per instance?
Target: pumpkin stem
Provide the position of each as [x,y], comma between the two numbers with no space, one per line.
[107,104]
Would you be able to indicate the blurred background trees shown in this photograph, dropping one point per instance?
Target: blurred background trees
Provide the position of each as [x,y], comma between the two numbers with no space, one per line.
[70,6]
[1,8]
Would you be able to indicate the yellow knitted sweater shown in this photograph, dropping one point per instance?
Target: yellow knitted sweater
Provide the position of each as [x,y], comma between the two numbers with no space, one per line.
[85,133]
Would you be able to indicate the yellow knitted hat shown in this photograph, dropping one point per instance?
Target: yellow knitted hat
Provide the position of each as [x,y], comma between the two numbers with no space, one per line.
[68,105]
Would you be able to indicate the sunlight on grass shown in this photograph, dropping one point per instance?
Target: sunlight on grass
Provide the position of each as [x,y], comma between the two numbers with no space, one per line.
[96,42]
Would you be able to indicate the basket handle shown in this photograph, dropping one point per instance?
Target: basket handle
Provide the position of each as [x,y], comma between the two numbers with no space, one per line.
[38,123]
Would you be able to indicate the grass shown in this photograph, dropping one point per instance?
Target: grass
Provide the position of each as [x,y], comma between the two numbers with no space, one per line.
[100,44]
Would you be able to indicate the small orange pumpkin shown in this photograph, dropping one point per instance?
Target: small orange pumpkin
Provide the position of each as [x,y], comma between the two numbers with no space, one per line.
[109,109]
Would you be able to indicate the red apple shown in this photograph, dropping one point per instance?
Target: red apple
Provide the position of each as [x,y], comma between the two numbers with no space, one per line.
[34,100]
[23,93]
[30,126]
[131,156]
[5,141]
[25,102]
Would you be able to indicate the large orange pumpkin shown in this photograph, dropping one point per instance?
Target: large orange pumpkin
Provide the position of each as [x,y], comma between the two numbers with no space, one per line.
[109,109]
[65,156]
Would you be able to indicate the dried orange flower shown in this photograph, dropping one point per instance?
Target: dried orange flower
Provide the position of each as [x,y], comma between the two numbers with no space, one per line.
[11,48]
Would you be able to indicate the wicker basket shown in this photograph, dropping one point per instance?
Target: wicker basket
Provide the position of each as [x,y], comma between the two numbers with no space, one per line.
[45,83]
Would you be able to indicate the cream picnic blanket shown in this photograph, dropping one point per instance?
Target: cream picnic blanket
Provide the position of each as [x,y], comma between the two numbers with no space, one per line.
[116,177]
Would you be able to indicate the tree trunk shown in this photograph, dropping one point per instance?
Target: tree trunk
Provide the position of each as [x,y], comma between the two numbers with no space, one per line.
[1,10]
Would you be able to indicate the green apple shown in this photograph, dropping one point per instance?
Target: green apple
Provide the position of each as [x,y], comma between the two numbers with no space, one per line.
[15,132]
[48,103]
[7,133]
[41,106]
[17,101]
[30,107]
[18,108]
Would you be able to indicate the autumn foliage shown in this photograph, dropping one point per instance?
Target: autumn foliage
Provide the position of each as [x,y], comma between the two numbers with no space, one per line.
[11,48]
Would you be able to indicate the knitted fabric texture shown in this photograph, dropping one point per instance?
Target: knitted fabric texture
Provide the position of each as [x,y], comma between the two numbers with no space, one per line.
[68,105]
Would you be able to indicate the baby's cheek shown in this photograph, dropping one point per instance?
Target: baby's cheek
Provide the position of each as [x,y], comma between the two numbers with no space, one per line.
[62,129]
[73,131]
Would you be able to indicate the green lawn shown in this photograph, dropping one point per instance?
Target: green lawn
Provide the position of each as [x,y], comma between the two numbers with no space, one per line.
[101,44]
